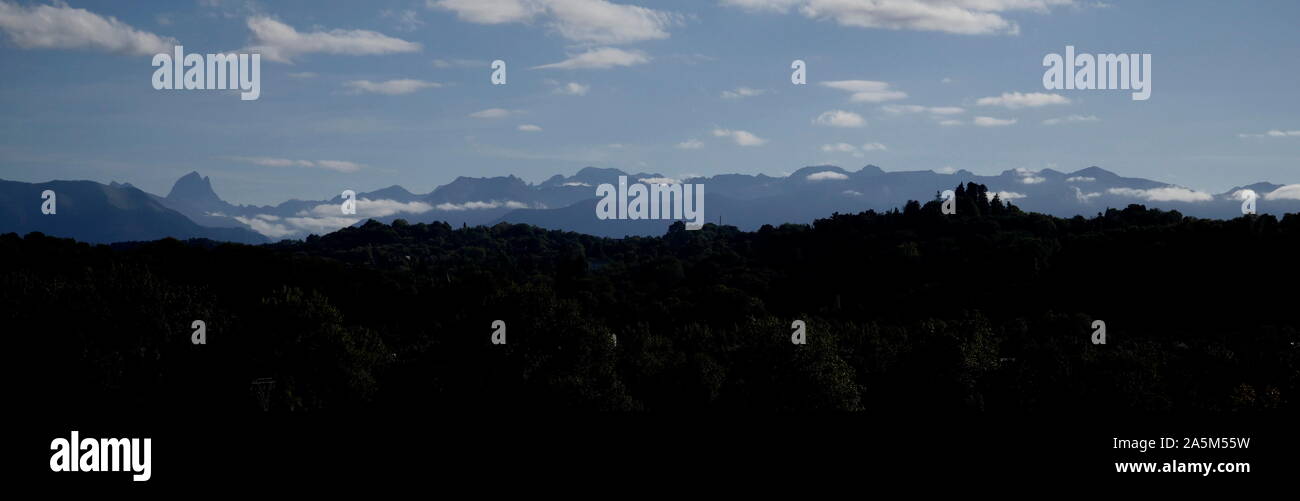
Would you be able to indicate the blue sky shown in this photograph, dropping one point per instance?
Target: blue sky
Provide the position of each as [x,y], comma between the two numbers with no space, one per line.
[365,95]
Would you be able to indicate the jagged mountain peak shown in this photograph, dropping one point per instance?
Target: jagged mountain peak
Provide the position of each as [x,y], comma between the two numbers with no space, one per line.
[193,188]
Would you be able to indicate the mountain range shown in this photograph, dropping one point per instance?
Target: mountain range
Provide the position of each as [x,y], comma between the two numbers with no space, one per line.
[95,212]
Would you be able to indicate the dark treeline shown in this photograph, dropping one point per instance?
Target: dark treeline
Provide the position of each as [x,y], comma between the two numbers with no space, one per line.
[990,309]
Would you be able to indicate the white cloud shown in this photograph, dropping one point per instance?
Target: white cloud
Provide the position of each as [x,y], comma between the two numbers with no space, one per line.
[367,208]
[266,225]
[913,108]
[491,113]
[1274,133]
[282,43]
[490,11]
[852,193]
[763,5]
[530,128]
[324,218]
[334,165]
[839,148]
[407,20]
[1028,176]
[1070,119]
[840,118]
[575,183]
[866,91]
[275,162]
[742,92]
[1165,194]
[1016,100]
[1007,196]
[993,122]
[1082,197]
[390,87]
[946,110]
[1080,179]
[573,89]
[459,63]
[856,151]
[842,148]
[947,169]
[903,108]
[59,26]
[600,58]
[230,9]
[742,138]
[589,21]
[603,22]
[339,165]
[303,74]
[658,180]
[1243,195]
[827,175]
[1288,192]
[966,17]
[320,225]
[950,123]
[481,205]
[690,144]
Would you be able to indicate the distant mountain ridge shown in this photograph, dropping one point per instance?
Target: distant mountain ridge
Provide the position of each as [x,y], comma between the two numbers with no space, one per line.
[99,213]
[568,202]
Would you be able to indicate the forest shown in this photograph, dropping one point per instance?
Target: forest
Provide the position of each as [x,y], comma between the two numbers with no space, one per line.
[989,310]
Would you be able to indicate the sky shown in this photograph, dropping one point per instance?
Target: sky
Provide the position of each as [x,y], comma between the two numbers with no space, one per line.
[364,95]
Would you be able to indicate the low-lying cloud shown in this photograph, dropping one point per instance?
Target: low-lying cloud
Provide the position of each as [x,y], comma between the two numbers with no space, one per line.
[325,218]
[828,175]
[1164,194]
[481,205]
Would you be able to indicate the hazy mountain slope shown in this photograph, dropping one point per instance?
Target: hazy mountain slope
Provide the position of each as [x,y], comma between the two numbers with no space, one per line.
[98,213]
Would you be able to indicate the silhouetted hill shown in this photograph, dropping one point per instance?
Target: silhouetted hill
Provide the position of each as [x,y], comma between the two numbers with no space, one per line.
[912,312]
